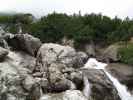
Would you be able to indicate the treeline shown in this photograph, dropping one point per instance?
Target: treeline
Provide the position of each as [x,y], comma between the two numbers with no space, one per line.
[88,28]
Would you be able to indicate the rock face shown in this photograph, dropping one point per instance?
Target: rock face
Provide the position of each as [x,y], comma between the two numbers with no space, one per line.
[25,42]
[68,95]
[101,87]
[123,72]
[57,62]
[111,53]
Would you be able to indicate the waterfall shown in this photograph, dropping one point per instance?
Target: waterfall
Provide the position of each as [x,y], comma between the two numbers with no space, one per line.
[122,90]
[72,85]
[20,29]
[86,90]
[15,58]
[5,44]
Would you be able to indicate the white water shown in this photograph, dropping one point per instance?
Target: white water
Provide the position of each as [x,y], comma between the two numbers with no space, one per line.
[122,90]
[14,58]
[20,30]
[72,86]
[5,44]
[87,89]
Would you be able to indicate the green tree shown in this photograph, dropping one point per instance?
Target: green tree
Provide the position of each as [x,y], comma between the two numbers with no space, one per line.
[86,35]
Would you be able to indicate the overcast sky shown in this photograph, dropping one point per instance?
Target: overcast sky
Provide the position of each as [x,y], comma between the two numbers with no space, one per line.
[120,8]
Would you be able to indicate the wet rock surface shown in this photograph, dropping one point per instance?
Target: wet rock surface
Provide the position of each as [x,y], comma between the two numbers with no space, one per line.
[101,86]
[123,72]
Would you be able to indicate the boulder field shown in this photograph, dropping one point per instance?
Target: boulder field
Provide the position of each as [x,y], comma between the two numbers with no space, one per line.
[32,70]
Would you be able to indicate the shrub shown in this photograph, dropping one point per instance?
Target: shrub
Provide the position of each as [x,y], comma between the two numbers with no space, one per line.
[126,54]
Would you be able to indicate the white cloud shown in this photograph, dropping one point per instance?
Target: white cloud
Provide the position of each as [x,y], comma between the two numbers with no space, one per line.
[122,8]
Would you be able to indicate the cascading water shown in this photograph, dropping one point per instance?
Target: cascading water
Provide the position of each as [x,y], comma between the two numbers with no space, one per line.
[122,90]
[11,62]
[86,90]
[14,58]
[5,44]
[72,85]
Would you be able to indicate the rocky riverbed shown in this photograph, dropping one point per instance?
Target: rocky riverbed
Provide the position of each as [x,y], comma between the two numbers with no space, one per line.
[32,70]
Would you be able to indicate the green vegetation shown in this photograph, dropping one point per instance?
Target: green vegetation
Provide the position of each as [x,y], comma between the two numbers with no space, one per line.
[12,22]
[53,27]
[126,54]
[90,28]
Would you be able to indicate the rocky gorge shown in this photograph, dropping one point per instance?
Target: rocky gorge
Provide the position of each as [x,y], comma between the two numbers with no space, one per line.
[32,70]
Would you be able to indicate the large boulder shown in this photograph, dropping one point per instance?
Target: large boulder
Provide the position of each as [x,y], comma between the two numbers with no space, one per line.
[25,42]
[50,53]
[54,53]
[67,95]
[123,72]
[101,87]
[111,53]
[57,62]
